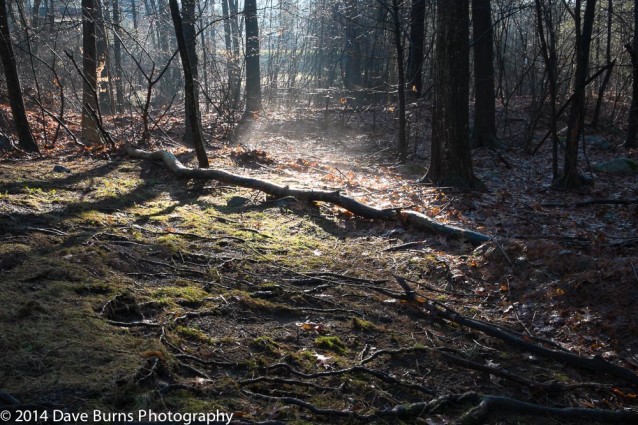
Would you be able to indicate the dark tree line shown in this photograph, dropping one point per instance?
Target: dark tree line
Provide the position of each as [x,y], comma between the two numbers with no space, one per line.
[239,58]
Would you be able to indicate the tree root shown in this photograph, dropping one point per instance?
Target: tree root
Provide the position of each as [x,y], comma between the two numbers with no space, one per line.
[491,405]
[355,369]
[411,218]
[487,405]
[445,313]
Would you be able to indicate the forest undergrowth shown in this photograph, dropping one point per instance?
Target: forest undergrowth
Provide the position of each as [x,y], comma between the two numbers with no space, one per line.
[125,288]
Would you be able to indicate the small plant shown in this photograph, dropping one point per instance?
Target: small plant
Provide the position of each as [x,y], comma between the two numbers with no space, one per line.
[193,334]
[331,343]
[362,325]
[265,344]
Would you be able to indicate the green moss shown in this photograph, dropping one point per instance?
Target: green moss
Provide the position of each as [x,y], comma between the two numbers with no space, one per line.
[189,293]
[193,334]
[303,359]
[174,243]
[108,187]
[265,344]
[331,343]
[362,325]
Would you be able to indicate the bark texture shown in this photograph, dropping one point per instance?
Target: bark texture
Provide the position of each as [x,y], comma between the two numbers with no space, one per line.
[450,160]
[484,130]
[25,137]
[90,132]
[189,87]
[253,73]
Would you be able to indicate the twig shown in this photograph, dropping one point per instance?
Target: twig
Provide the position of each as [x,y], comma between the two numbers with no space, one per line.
[189,235]
[298,402]
[403,246]
[355,369]
[205,362]
[491,405]
[592,202]
[133,324]
[284,381]
[500,248]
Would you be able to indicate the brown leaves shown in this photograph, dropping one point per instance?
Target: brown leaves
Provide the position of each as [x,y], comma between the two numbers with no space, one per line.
[319,328]
[251,159]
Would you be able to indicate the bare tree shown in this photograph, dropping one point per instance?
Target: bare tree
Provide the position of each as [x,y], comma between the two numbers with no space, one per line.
[188,21]
[415,55]
[189,86]
[630,140]
[571,178]
[450,160]
[547,36]
[25,137]
[90,132]
[484,129]
[253,73]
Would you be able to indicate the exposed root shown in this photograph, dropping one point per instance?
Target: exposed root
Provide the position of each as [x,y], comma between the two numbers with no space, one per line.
[492,405]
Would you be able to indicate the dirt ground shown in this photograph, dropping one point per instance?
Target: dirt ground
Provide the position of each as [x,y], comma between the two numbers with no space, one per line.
[124,288]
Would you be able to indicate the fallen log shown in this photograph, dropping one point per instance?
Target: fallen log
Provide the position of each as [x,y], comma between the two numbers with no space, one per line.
[444,313]
[411,218]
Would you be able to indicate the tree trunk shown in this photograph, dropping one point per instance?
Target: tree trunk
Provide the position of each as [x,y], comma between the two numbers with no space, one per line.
[35,15]
[134,14]
[545,24]
[450,160]
[229,51]
[169,83]
[571,178]
[90,132]
[253,76]
[603,85]
[202,37]
[415,55]
[234,26]
[352,78]
[103,84]
[484,130]
[403,142]
[25,137]
[117,51]
[188,19]
[189,86]
[630,141]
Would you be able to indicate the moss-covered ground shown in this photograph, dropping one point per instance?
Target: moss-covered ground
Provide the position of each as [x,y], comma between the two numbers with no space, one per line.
[124,288]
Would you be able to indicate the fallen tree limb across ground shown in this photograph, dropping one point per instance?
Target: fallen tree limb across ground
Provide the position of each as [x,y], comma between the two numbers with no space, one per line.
[411,218]
[486,407]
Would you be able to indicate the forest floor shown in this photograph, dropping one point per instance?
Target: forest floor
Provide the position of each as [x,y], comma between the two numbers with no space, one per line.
[123,288]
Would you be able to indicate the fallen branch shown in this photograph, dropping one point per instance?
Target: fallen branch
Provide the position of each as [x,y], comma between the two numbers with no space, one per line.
[412,218]
[444,354]
[592,202]
[445,313]
[354,369]
[491,405]
[596,364]
[488,405]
